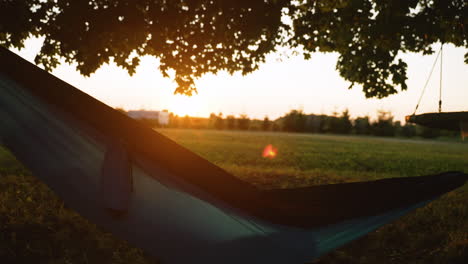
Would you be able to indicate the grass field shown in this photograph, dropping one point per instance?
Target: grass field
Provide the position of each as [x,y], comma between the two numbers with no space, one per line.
[35,227]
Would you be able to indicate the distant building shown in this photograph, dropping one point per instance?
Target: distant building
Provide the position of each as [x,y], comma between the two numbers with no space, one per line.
[161,116]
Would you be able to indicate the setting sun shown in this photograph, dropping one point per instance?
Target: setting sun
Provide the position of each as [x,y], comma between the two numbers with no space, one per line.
[184,105]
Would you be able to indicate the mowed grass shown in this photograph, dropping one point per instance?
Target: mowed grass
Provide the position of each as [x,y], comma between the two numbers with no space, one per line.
[36,227]
[307,159]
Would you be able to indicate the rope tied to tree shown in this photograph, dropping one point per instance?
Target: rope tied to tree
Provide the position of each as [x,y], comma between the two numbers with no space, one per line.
[439,54]
[440,79]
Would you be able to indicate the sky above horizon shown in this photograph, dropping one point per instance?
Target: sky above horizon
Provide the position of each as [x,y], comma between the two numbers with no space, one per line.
[276,88]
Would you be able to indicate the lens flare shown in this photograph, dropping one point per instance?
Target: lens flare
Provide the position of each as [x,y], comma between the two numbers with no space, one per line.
[270,152]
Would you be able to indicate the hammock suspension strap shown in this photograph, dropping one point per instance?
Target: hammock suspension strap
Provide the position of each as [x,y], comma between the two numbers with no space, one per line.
[439,54]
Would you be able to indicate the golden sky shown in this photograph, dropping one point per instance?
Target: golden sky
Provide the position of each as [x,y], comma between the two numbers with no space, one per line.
[279,86]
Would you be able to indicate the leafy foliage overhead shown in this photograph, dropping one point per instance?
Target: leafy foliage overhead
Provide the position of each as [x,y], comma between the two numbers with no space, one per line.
[195,37]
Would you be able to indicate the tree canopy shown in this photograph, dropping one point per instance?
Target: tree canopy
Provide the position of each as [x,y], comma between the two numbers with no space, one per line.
[196,37]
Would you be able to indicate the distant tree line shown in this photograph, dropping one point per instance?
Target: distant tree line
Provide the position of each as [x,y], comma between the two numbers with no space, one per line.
[300,122]
[384,125]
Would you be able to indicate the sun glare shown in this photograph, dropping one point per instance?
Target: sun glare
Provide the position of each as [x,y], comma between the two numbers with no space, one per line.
[184,105]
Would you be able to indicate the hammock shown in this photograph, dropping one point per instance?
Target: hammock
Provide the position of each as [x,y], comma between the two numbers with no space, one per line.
[159,196]
[455,121]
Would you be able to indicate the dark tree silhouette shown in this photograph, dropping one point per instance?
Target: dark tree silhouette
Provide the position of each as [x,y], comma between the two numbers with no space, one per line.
[408,130]
[294,121]
[384,125]
[243,122]
[266,124]
[200,36]
[230,122]
[219,122]
[362,125]
[344,125]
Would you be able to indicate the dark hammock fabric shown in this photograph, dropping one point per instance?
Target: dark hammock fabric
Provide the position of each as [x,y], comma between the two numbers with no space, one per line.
[169,201]
[444,120]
